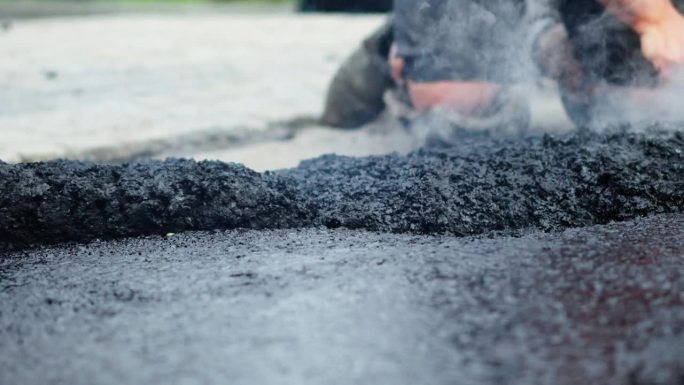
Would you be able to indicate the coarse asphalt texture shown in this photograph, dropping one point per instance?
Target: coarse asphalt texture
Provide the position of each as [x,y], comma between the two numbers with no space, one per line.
[598,305]
[496,271]
[473,187]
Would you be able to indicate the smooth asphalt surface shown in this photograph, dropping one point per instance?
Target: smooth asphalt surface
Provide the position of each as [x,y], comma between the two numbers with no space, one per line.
[600,305]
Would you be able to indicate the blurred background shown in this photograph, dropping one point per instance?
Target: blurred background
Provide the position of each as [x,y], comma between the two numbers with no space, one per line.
[45,8]
[119,80]
[237,81]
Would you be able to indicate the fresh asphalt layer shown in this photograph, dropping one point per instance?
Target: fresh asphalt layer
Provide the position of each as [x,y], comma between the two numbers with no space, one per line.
[598,305]
[473,187]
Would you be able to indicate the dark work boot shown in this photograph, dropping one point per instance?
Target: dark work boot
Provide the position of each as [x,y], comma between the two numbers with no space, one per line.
[355,96]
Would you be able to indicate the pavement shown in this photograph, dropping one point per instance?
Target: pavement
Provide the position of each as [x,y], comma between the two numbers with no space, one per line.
[599,305]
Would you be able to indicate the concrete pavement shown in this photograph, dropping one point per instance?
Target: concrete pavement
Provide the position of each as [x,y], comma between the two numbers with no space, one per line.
[113,83]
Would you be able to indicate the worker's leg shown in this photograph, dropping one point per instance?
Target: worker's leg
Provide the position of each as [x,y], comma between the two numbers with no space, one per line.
[454,55]
[454,52]
[355,95]
[458,57]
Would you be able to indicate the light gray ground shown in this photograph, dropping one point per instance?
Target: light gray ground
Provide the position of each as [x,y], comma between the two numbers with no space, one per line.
[173,84]
[73,85]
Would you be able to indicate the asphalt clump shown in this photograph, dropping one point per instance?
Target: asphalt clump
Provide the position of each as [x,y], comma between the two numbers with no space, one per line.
[471,188]
[78,201]
[547,183]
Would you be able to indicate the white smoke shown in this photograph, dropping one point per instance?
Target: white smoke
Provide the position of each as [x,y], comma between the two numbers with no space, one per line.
[493,33]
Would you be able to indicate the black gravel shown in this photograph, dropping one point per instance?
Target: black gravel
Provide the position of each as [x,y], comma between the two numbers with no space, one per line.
[294,304]
[546,183]
[76,201]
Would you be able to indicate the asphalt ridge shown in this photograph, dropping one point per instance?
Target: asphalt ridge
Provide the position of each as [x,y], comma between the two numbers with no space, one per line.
[598,305]
[478,185]
[473,187]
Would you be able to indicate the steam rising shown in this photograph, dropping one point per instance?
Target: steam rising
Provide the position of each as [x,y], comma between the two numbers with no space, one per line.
[486,41]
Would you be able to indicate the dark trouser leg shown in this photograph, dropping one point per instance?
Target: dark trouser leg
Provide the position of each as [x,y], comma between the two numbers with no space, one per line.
[355,96]
[460,59]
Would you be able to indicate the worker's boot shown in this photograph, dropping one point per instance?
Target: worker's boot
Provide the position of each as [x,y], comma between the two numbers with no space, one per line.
[355,96]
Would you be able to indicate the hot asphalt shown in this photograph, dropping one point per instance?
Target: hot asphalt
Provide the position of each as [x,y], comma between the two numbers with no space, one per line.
[303,301]
[473,187]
